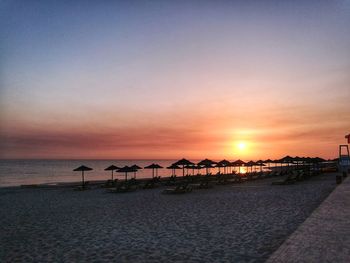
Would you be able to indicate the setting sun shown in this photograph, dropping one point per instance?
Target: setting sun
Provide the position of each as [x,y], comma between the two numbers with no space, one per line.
[241,146]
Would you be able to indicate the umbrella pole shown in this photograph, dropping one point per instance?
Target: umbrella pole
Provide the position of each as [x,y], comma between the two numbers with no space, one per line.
[183,170]
[134,175]
[112,175]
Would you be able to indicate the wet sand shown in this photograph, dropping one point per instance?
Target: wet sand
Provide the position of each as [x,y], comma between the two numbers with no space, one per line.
[233,223]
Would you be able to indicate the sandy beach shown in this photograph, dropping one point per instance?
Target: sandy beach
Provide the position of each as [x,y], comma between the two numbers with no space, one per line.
[233,223]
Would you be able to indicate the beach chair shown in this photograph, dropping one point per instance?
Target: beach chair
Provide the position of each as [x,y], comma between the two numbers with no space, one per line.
[203,184]
[170,181]
[153,183]
[290,179]
[254,176]
[110,183]
[123,187]
[85,186]
[180,189]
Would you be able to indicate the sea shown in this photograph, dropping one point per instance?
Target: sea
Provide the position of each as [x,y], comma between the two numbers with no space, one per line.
[24,172]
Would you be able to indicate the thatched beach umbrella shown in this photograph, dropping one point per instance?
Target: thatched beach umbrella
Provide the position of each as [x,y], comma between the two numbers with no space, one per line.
[297,160]
[287,159]
[155,167]
[219,165]
[82,169]
[126,170]
[250,164]
[198,168]
[260,163]
[136,167]
[207,164]
[173,168]
[183,162]
[276,162]
[224,163]
[192,167]
[238,164]
[112,168]
[268,161]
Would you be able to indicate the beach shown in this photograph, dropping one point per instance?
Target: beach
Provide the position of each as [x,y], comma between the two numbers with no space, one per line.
[233,223]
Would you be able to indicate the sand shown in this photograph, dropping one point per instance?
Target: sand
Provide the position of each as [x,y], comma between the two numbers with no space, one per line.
[232,223]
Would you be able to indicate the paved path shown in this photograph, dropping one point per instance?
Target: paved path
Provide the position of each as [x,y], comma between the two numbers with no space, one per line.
[324,236]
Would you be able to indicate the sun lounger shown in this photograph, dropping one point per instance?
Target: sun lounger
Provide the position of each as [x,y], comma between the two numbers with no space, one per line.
[123,187]
[150,184]
[170,181]
[180,189]
[290,179]
[83,187]
[110,183]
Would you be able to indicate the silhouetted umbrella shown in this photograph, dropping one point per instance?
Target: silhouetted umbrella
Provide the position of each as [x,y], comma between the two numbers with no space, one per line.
[276,162]
[183,162]
[250,164]
[126,170]
[198,167]
[173,168]
[238,164]
[207,164]
[260,163]
[136,167]
[268,161]
[224,164]
[287,159]
[318,160]
[154,166]
[297,160]
[219,165]
[112,168]
[82,168]
[190,167]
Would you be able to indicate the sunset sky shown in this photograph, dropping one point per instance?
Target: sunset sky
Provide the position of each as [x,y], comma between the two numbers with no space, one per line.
[173,79]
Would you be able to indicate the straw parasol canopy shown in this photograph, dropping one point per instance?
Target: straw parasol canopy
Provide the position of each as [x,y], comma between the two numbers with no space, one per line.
[238,164]
[260,163]
[183,162]
[136,167]
[268,161]
[173,167]
[198,167]
[250,164]
[155,167]
[297,160]
[287,159]
[112,168]
[318,160]
[224,163]
[82,169]
[192,167]
[207,164]
[126,170]
[219,166]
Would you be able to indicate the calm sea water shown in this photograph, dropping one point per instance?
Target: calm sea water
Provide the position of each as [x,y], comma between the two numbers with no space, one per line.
[18,172]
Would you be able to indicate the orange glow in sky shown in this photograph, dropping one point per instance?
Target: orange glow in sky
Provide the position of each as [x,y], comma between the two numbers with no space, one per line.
[227,79]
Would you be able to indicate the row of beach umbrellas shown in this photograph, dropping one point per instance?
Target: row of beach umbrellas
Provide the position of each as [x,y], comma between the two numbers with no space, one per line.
[206,163]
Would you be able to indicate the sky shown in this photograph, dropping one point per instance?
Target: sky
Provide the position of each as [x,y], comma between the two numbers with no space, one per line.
[173,79]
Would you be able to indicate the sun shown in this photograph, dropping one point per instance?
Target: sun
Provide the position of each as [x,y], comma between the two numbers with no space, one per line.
[241,146]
